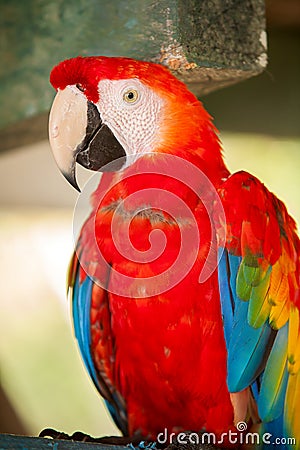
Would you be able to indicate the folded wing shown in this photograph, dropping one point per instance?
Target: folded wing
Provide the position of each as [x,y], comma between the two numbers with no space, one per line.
[259,291]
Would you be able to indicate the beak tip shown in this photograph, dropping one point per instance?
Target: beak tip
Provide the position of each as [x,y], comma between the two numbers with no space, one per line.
[70,177]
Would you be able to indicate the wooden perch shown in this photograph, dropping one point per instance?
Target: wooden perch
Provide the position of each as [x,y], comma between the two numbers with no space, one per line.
[12,442]
[9,441]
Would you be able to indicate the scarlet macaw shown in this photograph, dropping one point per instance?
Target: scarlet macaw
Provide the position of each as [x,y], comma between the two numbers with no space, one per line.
[206,340]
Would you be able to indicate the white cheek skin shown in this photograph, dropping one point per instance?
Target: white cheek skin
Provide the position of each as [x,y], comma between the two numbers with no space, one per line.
[135,125]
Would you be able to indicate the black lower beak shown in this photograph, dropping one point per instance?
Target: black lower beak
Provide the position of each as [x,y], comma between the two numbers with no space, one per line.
[99,147]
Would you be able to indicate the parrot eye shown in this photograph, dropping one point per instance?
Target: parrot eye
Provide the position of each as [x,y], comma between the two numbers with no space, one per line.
[130,96]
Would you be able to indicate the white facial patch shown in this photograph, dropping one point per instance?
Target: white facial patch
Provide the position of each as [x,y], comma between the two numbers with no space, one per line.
[133,112]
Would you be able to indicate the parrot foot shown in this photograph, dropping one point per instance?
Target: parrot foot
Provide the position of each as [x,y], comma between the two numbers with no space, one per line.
[82,437]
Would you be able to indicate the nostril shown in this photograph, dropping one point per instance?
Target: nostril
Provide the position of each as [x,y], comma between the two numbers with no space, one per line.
[80,87]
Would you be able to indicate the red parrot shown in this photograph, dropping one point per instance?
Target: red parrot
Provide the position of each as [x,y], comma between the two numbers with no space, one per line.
[185,278]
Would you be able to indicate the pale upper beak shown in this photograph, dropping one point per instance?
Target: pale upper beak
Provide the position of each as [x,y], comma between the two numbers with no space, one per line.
[67,128]
[77,134]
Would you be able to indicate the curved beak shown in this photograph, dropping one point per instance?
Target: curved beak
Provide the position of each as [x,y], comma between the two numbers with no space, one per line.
[77,134]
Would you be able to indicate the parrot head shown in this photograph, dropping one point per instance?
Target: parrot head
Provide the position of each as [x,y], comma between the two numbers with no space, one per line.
[113,109]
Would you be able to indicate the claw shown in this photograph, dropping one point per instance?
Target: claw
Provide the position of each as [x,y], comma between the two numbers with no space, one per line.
[54,434]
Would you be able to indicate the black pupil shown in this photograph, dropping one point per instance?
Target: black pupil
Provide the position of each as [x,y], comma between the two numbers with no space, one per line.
[130,95]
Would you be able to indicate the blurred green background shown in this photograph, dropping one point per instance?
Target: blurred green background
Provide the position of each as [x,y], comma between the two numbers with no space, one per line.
[41,371]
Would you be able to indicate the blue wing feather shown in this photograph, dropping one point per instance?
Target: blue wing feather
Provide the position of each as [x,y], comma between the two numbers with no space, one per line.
[275,378]
[81,310]
[255,355]
[227,296]
[82,293]
[248,349]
